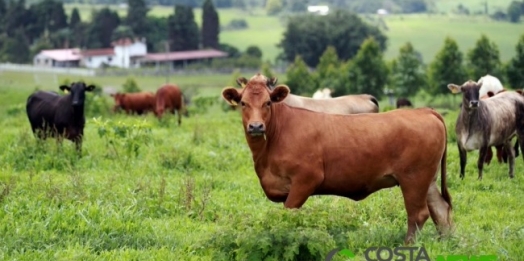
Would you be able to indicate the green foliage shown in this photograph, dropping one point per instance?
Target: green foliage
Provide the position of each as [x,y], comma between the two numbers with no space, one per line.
[273,7]
[136,17]
[328,73]
[50,16]
[514,71]
[514,11]
[447,67]
[202,104]
[99,32]
[130,85]
[183,30]
[299,80]
[254,51]
[123,140]
[407,74]
[75,18]
[266,69]
[310,35]
[16,49]
[210,25]
[484,59]
[367,72]
[122,32]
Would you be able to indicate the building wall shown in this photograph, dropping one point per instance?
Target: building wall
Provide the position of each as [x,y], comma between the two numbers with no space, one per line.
[97,61]
[42,61]
[123,54]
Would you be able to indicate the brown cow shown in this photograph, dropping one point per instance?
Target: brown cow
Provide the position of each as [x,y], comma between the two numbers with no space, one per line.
[169,97]
[139,103]
[346,155]
[347,104]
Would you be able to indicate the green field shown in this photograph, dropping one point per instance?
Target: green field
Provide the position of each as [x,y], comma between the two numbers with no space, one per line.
[191,193]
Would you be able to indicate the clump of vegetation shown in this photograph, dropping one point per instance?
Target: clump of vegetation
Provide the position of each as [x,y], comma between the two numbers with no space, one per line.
[130,85]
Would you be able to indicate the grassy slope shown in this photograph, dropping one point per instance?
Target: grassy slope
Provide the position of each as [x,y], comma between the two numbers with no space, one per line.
[426,32]
[192,194]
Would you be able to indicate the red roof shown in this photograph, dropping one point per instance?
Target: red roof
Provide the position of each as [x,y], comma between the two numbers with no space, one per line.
[98,52]
[184,55]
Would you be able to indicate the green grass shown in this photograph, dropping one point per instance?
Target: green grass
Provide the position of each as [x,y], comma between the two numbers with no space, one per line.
[473,5]
[191,193]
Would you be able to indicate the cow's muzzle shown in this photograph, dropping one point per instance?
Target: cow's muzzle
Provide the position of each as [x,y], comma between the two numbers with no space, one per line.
[474,104]
[77,103]
[256,128]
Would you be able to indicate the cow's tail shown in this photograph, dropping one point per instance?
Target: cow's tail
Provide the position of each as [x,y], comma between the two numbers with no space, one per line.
[443,173]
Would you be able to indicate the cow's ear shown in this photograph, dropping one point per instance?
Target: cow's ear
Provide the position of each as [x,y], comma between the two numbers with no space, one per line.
[454,88]
[231,95]
[65,88]
[90,88]
[520,92]
[279,93]
[241,81]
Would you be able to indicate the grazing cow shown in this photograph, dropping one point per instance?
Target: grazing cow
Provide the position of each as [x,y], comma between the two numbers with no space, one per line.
[351,156]
[322,94]
[169,97]
[52,115]
[347,104]
[403,102]
[485,122]
[491,85]
[139,103]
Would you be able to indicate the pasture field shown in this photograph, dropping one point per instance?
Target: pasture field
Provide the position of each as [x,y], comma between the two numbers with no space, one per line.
[149,190]
[426,32]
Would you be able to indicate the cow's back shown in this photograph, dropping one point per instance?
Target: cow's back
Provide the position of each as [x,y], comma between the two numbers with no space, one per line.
[40,107]
[502,110]
[139,102]
[349,104]
[169,96]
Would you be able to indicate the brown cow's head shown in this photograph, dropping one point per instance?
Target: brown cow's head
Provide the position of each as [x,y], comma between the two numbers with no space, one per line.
[118,97]
[256,101]
[470,93]
[78,91]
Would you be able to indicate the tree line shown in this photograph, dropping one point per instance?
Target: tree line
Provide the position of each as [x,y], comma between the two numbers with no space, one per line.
[406,75]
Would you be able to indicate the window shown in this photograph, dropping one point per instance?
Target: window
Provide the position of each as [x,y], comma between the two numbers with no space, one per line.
[109,58]
[89,59]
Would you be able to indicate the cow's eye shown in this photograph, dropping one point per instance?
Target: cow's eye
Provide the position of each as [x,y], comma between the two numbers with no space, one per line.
[268,103]
[242,103]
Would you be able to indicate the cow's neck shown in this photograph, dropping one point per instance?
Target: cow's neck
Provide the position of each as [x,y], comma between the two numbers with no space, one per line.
[77,112]
[475,120]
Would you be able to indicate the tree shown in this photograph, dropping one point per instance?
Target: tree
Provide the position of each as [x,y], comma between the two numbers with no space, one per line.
[210,25]
[299,80]
[157,33]
[274,7]
[75,18]
[16,16]
[266,69]
[183,30]
[407,74]
[514,12]
[310,35]
[368,72]
[50,16]
[514,70]
[328,72]
[3,12]
[101,29]
[447,67]
[121,32]
[254,51]
[16,49]
[137,16]
[484,58]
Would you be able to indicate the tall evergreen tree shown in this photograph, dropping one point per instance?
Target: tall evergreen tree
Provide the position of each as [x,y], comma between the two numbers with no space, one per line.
[210,25]
[3,13]
[16,48]
[447,67]
[50,15]
[328,73]
[183,30]
[484,59]
[101,29]
[137,16]
[407,74]
[75,18]
[299,79]
[368,72]
[514,71]
[16,16]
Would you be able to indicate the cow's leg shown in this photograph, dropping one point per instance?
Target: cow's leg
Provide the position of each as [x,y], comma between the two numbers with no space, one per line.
[415,200]
[439,210]
[516,147]
[463,160]
[179,117]
[501,154]
[480,163]
[78,147]
[511,157]
[489,156]
[302,186]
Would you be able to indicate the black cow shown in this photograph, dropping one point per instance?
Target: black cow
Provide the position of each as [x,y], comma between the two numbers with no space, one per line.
[52,115]
[403,102]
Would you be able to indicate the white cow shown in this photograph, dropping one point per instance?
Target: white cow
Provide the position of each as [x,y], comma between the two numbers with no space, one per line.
[322,94]
[489,84]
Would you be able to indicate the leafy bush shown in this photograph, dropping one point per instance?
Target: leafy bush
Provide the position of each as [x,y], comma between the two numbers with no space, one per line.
[130,85]
[236,24]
